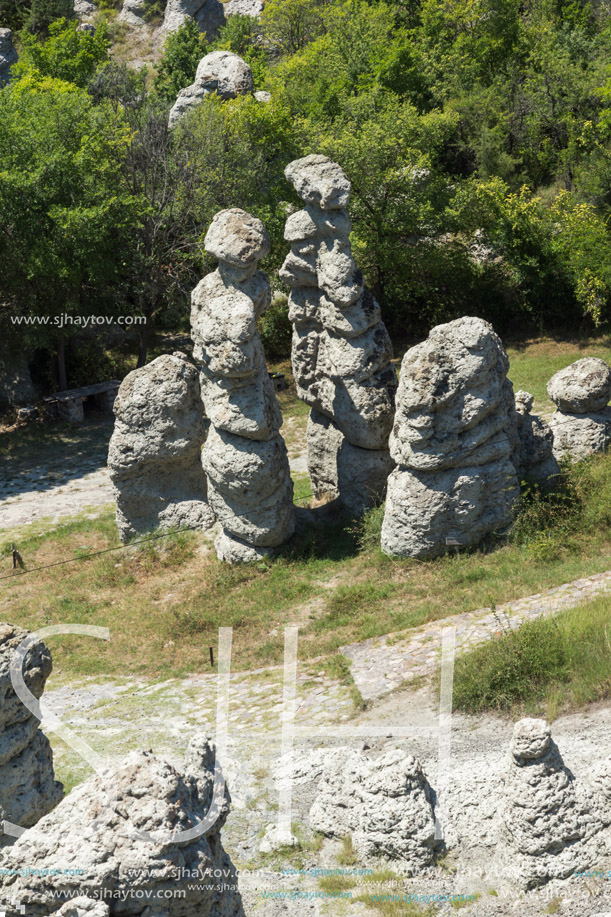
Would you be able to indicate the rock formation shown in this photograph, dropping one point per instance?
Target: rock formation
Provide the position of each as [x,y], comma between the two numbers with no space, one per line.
[385,804]
[533,458]
[8,55]
[582,422]
[133,12]
[222,72]
[16,387]
[28,789]
[208,14]
[550,826]
[245,459]
[84,8]
[154,456]
[453,440]
[152,797]
[341,349]
[252,8]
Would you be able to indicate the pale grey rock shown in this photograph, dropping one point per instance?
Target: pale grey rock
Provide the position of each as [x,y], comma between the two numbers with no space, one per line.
[252,8]
[84,907]
[222,72]
[384,803]
[28,789]
[324,440]
[84,8]
[272,840]
[428,511]
[87,27]
[579,436]
[133,12]
[208,14]
[584,387]
[550,826]
[362,476]
[8,55]
[154,456]
[453,440]
[16,387]
[152,797]
[341,352]
[261,95]
[533,456]
[317,180]
[245,458]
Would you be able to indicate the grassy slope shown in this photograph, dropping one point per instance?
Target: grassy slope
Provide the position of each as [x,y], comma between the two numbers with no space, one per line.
[164,602]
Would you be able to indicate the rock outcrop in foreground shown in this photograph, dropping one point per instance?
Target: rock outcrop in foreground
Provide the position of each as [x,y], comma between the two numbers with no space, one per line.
[453,441]
[582,422]
[222,72]
[28,789]
[341,349]
[154,456]
[245,458]
[533,458]
[115,858]
[550,825]
[385,804]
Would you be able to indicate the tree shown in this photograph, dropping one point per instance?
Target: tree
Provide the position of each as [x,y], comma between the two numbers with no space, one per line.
[289,25]
[182,52]
[65,216]
[68,54]
[44,12]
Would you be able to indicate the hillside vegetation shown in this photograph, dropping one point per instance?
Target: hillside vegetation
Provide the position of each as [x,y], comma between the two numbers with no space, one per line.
[475,133]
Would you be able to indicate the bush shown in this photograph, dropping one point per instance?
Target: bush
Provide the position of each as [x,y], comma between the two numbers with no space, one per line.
[276,331]
[44,12]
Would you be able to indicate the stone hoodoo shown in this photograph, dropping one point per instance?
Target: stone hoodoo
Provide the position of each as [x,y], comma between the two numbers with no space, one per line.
[28,789]
[533,457]
[8,55]
[341,348]
[453,441]
[252,8]
[245,458]
[550,825]
[208,14]
[582,422]
[133,854]
[154,457]
[385,804]
[132,12]
[222,72]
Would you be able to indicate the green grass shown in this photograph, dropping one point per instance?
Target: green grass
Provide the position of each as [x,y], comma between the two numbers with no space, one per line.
[547,665]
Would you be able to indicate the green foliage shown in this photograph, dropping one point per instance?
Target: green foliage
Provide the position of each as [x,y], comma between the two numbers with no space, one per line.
[182,52]
[276,330]
[12,14]
[44,12]
[288,25]
[67,54]
[242,35]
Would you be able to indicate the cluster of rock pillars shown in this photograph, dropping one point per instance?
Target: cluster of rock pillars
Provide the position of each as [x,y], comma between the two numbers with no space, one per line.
[446,447]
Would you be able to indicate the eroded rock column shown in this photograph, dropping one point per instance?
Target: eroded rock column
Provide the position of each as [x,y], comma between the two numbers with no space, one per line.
[341,349]
[582,422]
[245,458]
[28,789]
[453,441]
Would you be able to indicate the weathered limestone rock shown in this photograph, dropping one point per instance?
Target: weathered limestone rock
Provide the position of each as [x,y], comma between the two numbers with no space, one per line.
[16,387]
[252,8]
[8,55]
[154,456]
[222,72]
[84,8]
[385,804]
[28,789]
[152,797]
[550,825]
[341,350]
[208,14]
[324,440]
[533,458]
[84,907]
[244,458]
[453,441]
[133,12]
[582,423]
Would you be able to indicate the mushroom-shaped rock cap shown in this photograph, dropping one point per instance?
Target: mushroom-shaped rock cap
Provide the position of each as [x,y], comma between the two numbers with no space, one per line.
[318,180]
[531,738]
[582,387]
[237,238]
[225,73]
[524,401]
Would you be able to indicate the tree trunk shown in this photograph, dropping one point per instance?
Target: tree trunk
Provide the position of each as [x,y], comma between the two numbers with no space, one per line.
[61,363]
[145,334]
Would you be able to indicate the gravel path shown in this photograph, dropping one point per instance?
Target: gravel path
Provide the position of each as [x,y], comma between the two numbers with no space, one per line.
[382,664]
